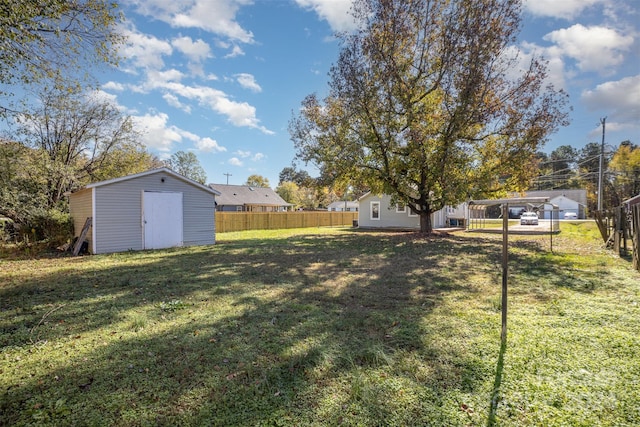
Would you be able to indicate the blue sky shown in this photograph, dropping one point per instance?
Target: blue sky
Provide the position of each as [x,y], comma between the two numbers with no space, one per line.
[221,78]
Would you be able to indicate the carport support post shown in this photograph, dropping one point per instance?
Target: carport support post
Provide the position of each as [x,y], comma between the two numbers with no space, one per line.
[505,269]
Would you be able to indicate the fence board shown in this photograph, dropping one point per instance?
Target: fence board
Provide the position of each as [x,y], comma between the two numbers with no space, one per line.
[240,221]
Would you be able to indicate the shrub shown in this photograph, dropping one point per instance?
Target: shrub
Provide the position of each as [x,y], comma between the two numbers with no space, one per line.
[54,226]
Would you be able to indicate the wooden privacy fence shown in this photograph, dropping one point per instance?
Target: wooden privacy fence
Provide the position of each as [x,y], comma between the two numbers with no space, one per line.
[240,221]
[618,226]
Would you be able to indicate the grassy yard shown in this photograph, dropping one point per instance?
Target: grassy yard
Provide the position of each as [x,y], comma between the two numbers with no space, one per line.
[322,327]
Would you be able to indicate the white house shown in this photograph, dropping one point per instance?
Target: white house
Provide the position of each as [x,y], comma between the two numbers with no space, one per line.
[343,206]
[377,211]
[155,209]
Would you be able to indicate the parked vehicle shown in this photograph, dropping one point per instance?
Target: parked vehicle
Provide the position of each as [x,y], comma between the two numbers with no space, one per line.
[570,215]
[529,218]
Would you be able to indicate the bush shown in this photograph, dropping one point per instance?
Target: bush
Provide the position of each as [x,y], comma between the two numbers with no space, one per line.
[7,229]
[54,226]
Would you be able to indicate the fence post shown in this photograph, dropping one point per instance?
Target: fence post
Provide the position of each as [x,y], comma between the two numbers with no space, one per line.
[635,229]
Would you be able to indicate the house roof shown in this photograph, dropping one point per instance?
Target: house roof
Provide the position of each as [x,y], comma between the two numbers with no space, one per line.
[166,171]
[244,195]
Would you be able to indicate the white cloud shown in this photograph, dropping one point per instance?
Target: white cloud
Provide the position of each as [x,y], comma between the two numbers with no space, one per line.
[235,51]
[238,113]
[101,96]
[158,80]
[158,135]
[173,101]
[248,81]
[621,99]
[155,132]
[118,87]
[336,13]
[594,48]
[196,51]
[249,155]
[215,16]
[145,51]
[523,56]
[209,145]
[235,161]
[566,9]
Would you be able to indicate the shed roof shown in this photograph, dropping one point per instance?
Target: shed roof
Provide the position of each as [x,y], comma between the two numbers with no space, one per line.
[245,195]
[151,172]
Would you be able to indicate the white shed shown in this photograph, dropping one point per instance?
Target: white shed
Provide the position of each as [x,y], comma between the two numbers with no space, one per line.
[155,209]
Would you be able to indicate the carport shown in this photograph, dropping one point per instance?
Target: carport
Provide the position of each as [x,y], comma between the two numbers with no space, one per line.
[478,221]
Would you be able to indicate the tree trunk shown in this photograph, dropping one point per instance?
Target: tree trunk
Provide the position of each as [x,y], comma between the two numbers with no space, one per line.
[425,222]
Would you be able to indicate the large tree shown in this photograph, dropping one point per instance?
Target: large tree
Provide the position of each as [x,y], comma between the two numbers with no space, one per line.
[257,181]
[55,41]
[426,104]
[625,168]
[186,163]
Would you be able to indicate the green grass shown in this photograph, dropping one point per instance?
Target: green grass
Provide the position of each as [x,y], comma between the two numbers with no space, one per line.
[324,327]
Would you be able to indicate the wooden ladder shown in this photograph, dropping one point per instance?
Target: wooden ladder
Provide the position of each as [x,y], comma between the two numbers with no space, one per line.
[83,234]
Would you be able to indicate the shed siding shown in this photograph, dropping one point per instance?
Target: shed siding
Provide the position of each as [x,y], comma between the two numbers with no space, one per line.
[118,219]
[80,208]
[199,221]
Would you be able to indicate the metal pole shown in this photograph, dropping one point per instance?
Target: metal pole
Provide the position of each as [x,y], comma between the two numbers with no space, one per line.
[601,172]
[505,269]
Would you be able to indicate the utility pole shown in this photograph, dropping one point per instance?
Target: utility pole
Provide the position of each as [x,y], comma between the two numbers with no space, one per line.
[227,175]
[601,172]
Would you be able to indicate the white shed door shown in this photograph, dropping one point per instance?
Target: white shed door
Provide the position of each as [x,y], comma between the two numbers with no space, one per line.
[162,219]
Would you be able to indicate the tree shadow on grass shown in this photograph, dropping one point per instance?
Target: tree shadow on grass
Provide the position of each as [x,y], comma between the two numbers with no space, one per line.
[293,331]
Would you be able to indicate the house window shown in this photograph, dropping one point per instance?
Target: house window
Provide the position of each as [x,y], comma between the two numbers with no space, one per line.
[375,210]
[401,208]
[412,213]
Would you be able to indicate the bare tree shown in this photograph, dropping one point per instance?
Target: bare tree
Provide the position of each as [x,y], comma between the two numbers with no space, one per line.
[77,135]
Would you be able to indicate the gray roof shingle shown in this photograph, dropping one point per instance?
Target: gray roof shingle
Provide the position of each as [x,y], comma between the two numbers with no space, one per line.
[243,195]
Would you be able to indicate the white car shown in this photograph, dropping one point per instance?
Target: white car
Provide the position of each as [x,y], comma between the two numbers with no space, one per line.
[570,215]
[529,218]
